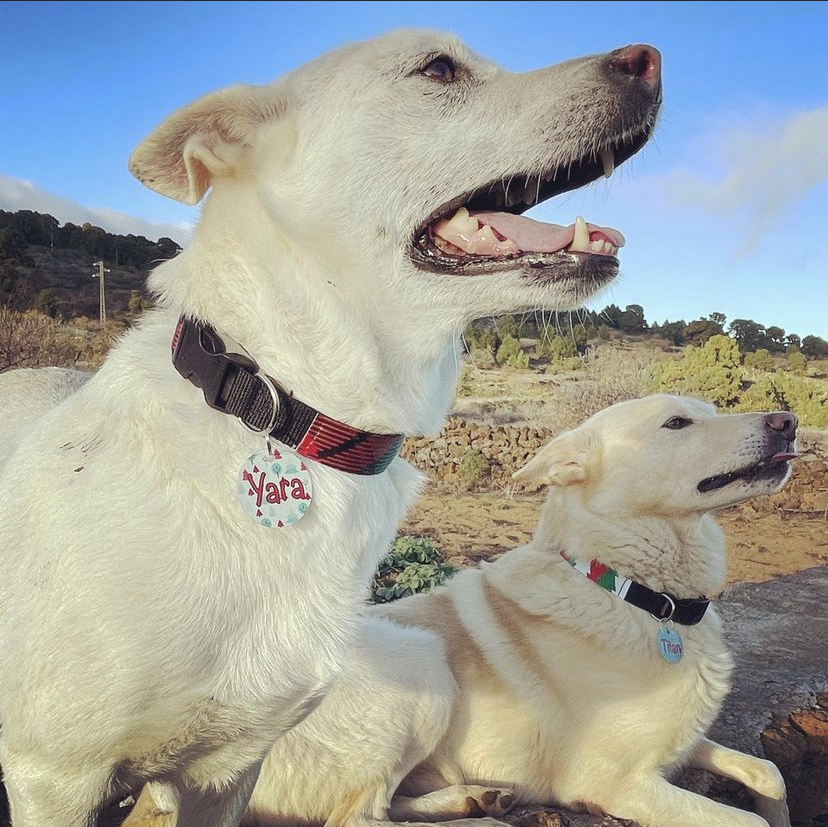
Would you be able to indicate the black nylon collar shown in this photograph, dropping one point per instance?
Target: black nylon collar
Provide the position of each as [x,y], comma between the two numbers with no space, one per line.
[661,605]
[232,384]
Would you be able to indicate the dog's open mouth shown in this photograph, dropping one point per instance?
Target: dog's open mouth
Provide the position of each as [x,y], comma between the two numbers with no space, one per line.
[484,230]
[772,469]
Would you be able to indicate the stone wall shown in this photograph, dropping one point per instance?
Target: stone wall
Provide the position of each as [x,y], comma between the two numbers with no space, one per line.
[505,448]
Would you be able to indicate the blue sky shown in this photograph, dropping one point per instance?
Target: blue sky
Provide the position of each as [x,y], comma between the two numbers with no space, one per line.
[724,211]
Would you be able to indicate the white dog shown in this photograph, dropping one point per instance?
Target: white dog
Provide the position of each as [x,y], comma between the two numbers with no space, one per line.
[164,613]
[524,681]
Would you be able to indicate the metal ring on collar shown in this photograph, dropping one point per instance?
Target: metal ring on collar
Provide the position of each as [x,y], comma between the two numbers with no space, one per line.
[672,609]
[274,395]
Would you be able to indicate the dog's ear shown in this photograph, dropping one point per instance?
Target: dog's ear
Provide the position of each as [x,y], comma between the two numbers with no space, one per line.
[202,141]
[562,461]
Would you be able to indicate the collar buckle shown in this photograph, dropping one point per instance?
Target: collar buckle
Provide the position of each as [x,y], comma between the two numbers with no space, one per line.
[200,356]
[667,610]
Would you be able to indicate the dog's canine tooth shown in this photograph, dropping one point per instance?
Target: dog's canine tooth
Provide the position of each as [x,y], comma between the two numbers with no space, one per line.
[580,243]
[607,156]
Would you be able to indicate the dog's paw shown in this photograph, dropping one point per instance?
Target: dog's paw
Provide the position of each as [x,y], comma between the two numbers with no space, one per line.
[489,802]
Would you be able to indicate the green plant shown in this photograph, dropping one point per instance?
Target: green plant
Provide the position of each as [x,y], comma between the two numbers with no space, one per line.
[785,391]
[797,360]
[474,467]
[411,565]
[510,353]
[712,372]
[759,360]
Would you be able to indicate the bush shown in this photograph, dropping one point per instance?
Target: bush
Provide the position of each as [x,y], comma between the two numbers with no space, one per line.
[712,372]
[30,340]
[557,348]
[474,467]
[784,391]
[797,360]
[412,565]
[510,353]
[760,360]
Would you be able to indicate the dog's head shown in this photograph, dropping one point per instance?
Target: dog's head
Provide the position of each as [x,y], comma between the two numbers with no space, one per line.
[417,157]
[668,455]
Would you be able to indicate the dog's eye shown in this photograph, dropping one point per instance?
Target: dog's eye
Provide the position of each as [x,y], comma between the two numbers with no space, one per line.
[676,423]
[441,69]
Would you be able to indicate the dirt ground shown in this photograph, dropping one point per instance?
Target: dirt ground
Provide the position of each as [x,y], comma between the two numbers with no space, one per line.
[762,544]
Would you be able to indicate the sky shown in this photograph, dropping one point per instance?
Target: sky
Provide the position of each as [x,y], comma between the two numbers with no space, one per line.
[724,210]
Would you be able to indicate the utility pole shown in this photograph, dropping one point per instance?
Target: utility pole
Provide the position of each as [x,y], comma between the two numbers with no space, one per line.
[102,301]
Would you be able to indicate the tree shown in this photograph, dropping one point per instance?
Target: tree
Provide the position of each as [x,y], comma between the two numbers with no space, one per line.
[718,319]
[13,243]
[749,335]
[700,331]
[776,339]
[506,326]
[632,319]
[814,347]
[611,315]
[674,332]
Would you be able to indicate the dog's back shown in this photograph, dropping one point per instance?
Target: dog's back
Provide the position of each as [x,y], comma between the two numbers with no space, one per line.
[27,394]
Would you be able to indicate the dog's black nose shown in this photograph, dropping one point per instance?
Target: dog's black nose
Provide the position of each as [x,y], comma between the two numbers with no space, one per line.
[639,61]
[784,423]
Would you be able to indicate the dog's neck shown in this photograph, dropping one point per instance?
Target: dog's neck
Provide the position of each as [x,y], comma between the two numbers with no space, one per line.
[682,555]
[332,337]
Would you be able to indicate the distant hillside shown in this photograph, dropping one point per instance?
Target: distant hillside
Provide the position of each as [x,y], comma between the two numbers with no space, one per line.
[50,266]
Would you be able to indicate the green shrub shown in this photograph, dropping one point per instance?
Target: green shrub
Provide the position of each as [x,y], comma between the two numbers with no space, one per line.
[785,391]
[508,350]
[797,360]
[712,372]
[474,467]
[412,565]
[760,360]
[557,348]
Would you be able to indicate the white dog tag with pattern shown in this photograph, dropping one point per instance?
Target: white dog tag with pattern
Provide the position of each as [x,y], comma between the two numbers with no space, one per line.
[275,487]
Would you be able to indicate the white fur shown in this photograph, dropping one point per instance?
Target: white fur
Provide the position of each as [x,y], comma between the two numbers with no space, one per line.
[528,680]
[149,630]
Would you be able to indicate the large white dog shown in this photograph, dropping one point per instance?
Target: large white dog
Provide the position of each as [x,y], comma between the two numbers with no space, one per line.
[578,669]
[165,614]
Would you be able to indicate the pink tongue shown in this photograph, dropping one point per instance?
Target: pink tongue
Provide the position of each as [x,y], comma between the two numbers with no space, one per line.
[538,237]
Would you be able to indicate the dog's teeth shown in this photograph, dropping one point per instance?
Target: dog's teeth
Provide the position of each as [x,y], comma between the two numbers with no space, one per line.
[608,160]
[462,222]
[580,243]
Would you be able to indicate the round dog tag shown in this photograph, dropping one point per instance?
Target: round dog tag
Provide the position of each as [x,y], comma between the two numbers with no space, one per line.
[275,488]
[669,644]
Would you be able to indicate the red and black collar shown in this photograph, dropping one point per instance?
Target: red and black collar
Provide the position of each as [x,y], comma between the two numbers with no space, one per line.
[232,384]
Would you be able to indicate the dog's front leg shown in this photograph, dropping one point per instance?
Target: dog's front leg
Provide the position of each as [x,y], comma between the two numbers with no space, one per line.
[162,804]
[157,806]
[761,777]
[655,802]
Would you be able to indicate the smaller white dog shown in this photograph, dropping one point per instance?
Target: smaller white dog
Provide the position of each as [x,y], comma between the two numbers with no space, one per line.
[578,669]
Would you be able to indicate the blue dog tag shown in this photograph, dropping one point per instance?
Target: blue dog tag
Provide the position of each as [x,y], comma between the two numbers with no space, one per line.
[669,644]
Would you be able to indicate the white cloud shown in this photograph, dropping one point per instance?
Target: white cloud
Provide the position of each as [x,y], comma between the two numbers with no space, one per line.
[768,169]
[16,194]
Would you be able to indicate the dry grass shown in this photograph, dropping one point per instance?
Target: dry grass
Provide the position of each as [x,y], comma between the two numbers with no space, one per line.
[609,373]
